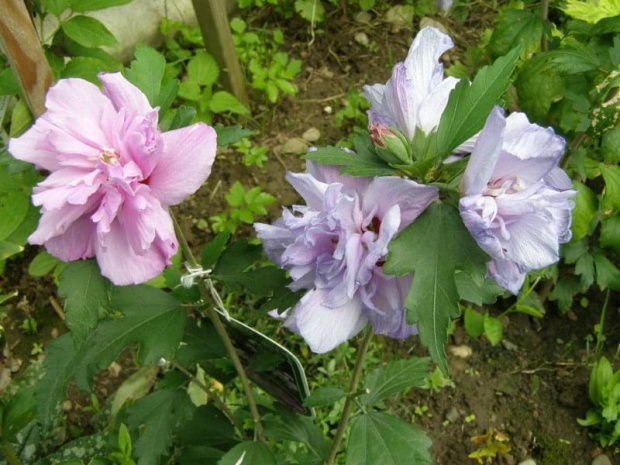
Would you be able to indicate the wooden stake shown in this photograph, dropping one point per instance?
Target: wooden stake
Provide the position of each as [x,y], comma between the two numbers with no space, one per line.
[213,22]
[23,49]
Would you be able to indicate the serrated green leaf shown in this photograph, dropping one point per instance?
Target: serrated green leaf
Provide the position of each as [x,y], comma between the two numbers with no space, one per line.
[469,105]
[493,329]
[250,453]
[211,251]
[183,117]
[586,208]
[84,291]
[323,396]
[208,427]
[382,438]
[393,378]
[516,28]
[203,69]
[146,72]
[573,60]
[611,195]
[167,94]
[607,274]
[610,233]
[225,102]
[19,411]
[352,164]
[42,264]
[13,209]
[433,248]
[227,135]
[157,416]
[259,282]
[200,344]
[564,291]
[55,7]
[473,322]
[84,68]
[109,63]
[584,268]
[287,426]
[237,257]
[89,32]
[311,10]
[81,6]
[476,293]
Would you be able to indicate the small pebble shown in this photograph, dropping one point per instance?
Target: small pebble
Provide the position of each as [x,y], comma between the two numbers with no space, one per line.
[54,333]
[115,369]
[311,135]
[295,145]
[362,39]
[328,109]
[453,415]
[528,462]
[461,351]
[601,460]
[363,17]
[426,21]
[67,405]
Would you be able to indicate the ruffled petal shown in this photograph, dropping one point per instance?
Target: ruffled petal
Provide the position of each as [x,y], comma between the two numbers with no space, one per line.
[311,189]
[507,274]
[123,94]
[185,163]
[325,328]
[485,154]
[76,242]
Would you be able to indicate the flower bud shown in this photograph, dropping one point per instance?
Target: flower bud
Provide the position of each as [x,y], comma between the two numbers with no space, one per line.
[391,144]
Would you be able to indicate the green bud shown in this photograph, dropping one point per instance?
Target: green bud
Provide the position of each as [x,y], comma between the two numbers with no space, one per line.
[391,144]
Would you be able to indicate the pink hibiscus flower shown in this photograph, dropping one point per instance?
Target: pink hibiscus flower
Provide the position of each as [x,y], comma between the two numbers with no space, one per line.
[113,175]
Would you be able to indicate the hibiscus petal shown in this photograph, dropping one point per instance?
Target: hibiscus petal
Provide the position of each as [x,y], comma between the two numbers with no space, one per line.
[311,189]
[75,243]
[507,274]
[185,163]
[122,265]
[485,154]
[123,94]
[325,328]
[431,109]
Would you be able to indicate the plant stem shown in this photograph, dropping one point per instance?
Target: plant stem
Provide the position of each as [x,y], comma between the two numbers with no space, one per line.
[213,397]
[545,16]
[348,403]
[601,325]
[9,454]
[208,291]
[521,298]
[574,145]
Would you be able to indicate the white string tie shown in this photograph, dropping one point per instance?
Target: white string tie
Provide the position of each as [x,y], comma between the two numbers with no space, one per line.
[193,272]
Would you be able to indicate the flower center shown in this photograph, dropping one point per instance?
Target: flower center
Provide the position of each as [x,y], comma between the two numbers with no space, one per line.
[109,156]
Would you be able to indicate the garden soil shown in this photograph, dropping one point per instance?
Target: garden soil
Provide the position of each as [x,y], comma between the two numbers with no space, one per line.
[527,392]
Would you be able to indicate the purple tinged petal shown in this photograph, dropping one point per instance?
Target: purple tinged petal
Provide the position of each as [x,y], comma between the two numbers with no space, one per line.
[422,62]
[311,189]
[185,163]
[326,328]
[485,154]
[558,179]
[431,109]
[507,274]
[75,243]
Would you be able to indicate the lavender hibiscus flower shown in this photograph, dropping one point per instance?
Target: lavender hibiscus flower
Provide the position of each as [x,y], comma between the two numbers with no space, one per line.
[113,176]
[335,246]
[516,200]
[417,93]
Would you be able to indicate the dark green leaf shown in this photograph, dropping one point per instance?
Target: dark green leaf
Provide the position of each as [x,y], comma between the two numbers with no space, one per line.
[611,196]
[434,247]
[584,268]
[538,86]
[474,322]
[586,208]
[611,146]
[211,251]
[106,61]
[8,82]
[81,6]
[42,264]
[607,274]
[287,426]
[147,71]
[382,438]
[573,60]
[393,378]
[200,454]
[157,416]
[84,291]
[13,209]
[351,164]
[200,343]
[610,233]
[564,291]
[259,282]
[208,427]
[323,396]
[183,117]
[469,105]
[20,411]
[227,135]
[84,68]
[516,28]
[238,256]
[476,293]
[607,26]
[89,32]
[250,453]
[166,96]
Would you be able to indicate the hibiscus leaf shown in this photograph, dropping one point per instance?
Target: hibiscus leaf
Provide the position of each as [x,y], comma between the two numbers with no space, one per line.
[81,6]
[384,438]
[227,135]
[146,72]
[351,163]
[393,378]
[151,318]
[84,291]
[89,32]
[157,416]
[250,453]
[433,248]
[469,104]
